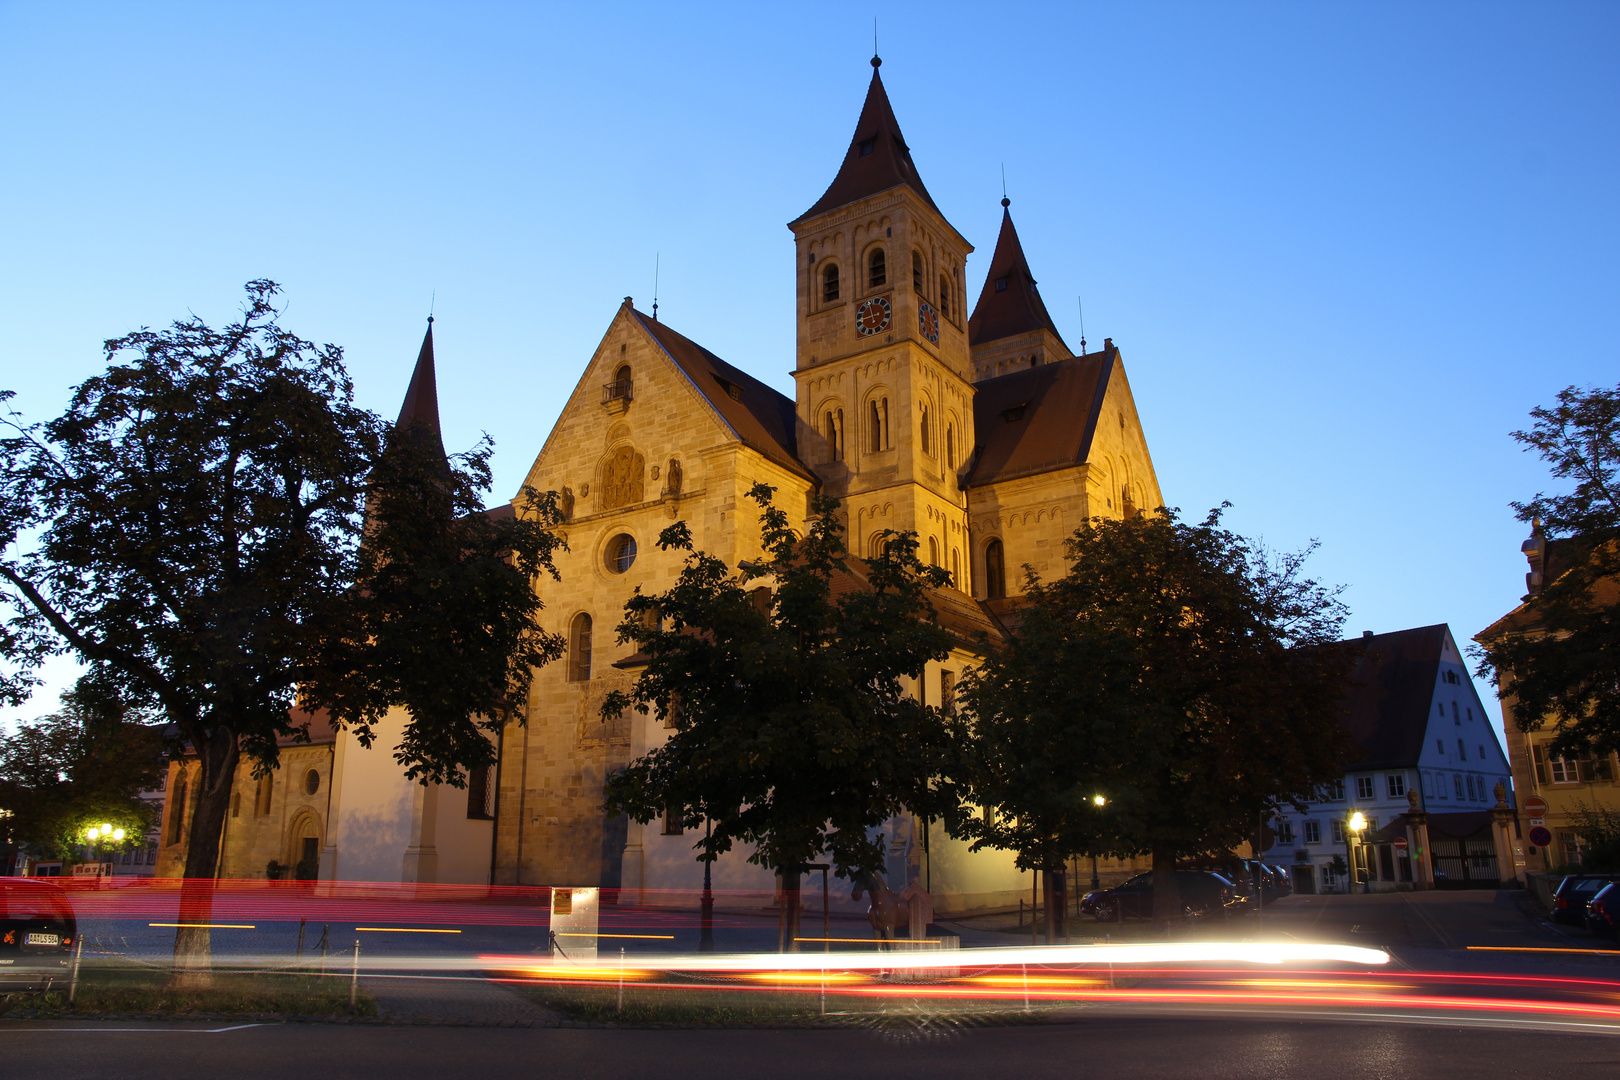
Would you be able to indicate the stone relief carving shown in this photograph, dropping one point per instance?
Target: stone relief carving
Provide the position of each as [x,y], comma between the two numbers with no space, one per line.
[566,503]
[623,478]
[677,476]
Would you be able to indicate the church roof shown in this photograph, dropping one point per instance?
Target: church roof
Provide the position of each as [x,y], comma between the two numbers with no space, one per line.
[420,412]
[1391,689]
[762,418]
[1016,306]
[878,158]
[1039,418]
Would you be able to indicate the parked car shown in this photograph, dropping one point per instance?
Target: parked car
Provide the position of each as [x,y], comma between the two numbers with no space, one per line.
[1202,891]
[1285,881]
[1573,894]
[37,931]
[1243,873]
[1603,913]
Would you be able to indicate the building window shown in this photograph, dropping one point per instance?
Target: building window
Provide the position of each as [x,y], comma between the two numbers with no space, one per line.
[262,796]
[312,782]
[995,571]
[622,388]
[877,271]
[877,421]
[177,813]
[621,553]
[1364,787]
[236,804]
[1482,751]
[829,283]
[956,569]
[1285,831]
[481,793]
[1440,746]
[1396,784]
[673,825]
[1334,792]
[1313,831]
[950,447]
[916,271]
[865,147]
[947,692]
[834,426]
[1462,751]
[927,433]
[945,296]
[933,552]
[1457,783]
[579,648]
[1338,831]
[1001,283]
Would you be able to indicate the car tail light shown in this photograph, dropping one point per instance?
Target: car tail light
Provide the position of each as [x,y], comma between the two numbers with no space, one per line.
[1560,902]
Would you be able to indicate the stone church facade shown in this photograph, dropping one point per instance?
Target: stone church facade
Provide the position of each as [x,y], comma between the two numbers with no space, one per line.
[983,433]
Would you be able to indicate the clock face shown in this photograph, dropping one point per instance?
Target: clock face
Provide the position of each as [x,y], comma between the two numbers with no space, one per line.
[873,316]
[928,321]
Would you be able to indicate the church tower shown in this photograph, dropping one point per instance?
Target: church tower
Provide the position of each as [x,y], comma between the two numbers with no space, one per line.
[884,379]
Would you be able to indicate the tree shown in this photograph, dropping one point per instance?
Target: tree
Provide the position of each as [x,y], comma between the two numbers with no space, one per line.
[85,765]
[1177,671]
[193,523]
[791,730]
[1561,660]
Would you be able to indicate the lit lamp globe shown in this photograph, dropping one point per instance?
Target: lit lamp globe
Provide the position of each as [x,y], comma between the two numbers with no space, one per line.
[106,830]
[1358,821]
[118,834]
[1099,800]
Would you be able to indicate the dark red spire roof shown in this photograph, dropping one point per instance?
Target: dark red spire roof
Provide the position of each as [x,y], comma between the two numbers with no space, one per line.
[1009,303]
[420,413]
[878,158]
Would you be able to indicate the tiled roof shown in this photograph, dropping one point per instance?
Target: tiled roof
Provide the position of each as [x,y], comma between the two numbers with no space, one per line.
[1016,306]
[1392,687]
[762,418]
[1040,418]
[877,160]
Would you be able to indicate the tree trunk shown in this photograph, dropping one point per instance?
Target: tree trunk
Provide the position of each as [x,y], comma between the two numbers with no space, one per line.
[1055,897]
[1166,891]
[790,909]
[217,756]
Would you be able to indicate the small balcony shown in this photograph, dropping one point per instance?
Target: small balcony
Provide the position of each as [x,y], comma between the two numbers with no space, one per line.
[617,395]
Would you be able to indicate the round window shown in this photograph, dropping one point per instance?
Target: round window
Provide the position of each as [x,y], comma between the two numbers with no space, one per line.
[312,782]
[621,553]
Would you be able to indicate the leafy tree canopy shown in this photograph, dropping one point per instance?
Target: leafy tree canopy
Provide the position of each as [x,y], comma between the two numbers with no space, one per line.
[1561,662]
[1178,672]
[792,732]
[81,766]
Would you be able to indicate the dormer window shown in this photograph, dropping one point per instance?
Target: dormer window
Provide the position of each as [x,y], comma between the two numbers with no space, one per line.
[865,147]
[829,283]
[1001,283]
[877,269]
[1013,414]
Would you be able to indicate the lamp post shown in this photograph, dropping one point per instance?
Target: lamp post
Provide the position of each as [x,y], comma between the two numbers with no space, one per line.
[1098,801]
[706,934]
[1354,823]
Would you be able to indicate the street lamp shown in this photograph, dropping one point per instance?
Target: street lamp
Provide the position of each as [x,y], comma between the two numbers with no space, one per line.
[1098,801]
[1352,836]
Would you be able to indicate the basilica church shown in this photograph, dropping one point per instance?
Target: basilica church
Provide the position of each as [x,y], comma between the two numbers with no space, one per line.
[982,432]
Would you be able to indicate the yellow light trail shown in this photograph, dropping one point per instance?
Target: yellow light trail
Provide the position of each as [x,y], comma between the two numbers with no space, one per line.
[638,937]
[207,925]
[405,930]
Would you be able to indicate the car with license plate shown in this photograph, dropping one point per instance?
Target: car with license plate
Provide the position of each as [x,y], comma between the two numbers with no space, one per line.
[1573,894]
[37,934]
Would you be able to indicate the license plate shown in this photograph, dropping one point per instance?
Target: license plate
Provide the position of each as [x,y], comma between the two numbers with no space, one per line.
[44,939]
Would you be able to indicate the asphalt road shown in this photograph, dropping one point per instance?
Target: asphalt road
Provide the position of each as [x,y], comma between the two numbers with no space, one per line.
[1207,1049]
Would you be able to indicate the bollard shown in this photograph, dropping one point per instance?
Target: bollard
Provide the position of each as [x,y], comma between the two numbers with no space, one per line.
[299,955]
[73,979]
[354,975]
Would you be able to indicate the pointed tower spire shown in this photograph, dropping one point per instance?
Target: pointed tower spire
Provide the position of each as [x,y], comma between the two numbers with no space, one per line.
[420,412]
[1009,304]
[878,157]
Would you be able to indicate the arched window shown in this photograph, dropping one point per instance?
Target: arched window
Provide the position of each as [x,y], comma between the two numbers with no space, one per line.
[927,433]
[944,296]
[956,568]
[877,270]
[933,552]
[579,648]
[877,421]
[829,283]
[833,428]
[177,812]
[950,446]
[995,571]
[624,382]
[916,271]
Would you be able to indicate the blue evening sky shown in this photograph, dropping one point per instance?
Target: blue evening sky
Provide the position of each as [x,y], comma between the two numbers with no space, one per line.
[1343,247]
